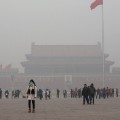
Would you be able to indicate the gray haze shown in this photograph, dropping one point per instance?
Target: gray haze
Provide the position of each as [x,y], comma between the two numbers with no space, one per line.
[55,22]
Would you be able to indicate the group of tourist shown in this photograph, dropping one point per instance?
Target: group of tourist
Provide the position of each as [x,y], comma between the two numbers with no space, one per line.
[6,93]
[88,93]
[106,93]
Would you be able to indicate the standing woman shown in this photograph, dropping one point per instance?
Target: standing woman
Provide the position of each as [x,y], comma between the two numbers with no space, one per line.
[31,95]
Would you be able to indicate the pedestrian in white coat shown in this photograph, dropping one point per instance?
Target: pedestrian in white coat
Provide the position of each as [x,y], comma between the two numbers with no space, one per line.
[31,95]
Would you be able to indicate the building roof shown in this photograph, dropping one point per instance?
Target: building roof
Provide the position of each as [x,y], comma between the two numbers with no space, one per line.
[66,50]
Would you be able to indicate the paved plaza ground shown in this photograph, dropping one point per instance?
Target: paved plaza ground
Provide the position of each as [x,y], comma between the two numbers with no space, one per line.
[60,109]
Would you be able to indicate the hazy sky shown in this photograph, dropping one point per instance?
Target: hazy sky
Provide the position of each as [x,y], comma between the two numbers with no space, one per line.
[55,22]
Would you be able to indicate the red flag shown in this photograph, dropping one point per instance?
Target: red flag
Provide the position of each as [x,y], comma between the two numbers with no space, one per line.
[96,3]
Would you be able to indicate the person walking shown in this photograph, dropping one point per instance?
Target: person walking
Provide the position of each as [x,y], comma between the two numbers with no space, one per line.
[92,92]
[31,95]
[117,92]
[40,94]
[85,93]
[0,93]
[58,92]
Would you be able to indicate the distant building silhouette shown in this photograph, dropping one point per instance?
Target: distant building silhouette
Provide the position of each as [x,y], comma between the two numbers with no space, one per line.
[66,59]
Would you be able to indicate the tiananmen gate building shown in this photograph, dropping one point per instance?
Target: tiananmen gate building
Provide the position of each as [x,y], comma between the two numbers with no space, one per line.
[66,60]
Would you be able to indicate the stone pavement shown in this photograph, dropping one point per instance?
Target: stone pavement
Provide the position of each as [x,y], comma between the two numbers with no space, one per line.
[60,109]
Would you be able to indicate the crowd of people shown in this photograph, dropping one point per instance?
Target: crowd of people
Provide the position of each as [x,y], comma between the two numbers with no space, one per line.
[88,93]
[73,93]
[6,93]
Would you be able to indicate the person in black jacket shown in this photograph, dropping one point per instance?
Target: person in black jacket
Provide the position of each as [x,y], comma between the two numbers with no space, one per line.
[85,93]
[92,92]
[0,93]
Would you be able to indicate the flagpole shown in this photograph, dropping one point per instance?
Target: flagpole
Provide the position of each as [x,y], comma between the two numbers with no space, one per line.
[93,6]
[103,57]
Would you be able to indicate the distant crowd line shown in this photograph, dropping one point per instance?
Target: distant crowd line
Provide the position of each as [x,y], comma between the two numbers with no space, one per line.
[87,92]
